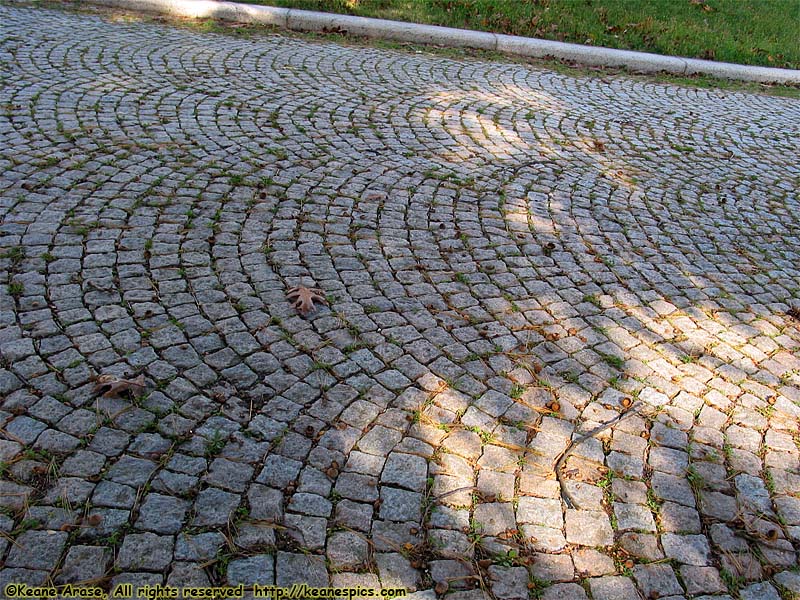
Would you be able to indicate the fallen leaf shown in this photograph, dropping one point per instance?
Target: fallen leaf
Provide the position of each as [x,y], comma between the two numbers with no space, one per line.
[507,534]
[112,386]
[303,298]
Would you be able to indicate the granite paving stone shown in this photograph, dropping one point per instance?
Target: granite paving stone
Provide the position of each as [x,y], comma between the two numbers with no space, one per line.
[84,563]
[37,550]
[145,552]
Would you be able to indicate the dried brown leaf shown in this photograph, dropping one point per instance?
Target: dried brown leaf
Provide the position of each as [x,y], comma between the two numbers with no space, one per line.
[111,386]
[303,298]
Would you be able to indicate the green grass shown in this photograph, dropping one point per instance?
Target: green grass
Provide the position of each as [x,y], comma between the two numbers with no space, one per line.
[756,32]
[612,360]
[565,68]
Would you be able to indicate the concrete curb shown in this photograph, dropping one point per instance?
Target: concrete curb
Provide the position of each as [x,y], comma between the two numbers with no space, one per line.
[303,20]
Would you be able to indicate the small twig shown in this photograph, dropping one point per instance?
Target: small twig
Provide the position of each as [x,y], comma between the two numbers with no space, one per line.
[565,494]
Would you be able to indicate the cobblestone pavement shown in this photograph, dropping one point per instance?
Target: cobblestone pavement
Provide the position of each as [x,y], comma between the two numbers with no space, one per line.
[512,258]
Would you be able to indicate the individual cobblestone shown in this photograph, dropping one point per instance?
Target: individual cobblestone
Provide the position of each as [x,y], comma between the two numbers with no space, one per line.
[36,550]
[84,563]
[510,258]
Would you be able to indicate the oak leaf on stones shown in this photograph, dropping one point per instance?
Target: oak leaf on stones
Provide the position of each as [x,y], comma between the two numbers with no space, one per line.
[111,386]
[303,298]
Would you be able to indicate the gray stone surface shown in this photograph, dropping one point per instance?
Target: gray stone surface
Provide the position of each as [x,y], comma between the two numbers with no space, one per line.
[253,569]
[300,568]
[84,563]
[760,591]
[702,580]
[632,517]
[490,238]
[347,551]
[198,547]
[612,588]
[588,528]
[405,470]
[688,549]
[509,582]
[214,507]
[36,550]
[145,552]
[162,514]
[657,580]
[789,580]
[564,591]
